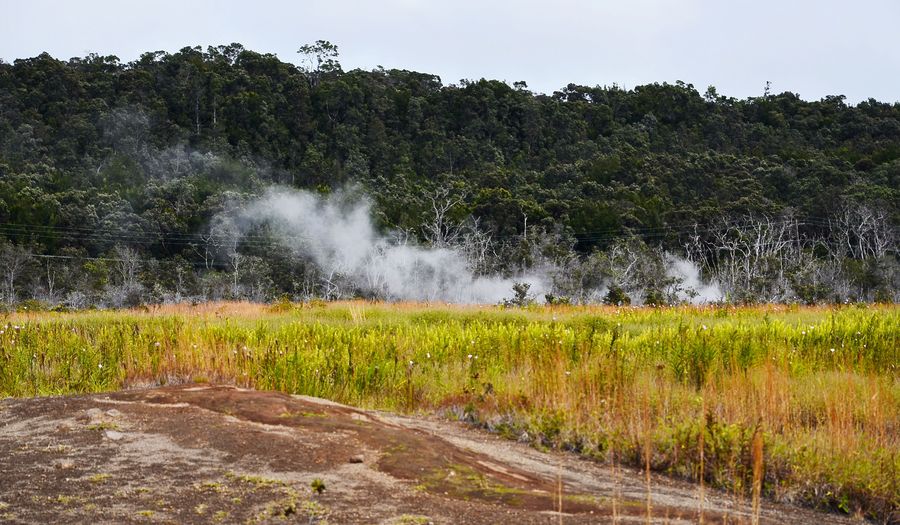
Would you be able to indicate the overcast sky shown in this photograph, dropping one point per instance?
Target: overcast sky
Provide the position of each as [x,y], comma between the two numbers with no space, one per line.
[814,48]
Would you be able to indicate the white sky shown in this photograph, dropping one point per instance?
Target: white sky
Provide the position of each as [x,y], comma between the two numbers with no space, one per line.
[814,48]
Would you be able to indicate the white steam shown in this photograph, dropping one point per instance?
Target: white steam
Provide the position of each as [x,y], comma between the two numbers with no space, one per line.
[692,288]
[351,256]
[337,234]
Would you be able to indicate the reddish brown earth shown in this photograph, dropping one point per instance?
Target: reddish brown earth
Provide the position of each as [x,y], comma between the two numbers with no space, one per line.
[208,454]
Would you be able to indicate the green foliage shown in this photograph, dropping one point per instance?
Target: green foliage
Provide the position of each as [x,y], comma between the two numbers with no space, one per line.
[555,300]
[97,152]
[520,297]
[616,296]
[654,297]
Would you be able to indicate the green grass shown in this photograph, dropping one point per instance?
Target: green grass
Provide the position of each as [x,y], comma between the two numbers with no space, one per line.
[618,384]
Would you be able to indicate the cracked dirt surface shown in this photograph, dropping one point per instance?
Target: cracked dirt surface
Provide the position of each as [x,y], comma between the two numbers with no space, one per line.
[208,454]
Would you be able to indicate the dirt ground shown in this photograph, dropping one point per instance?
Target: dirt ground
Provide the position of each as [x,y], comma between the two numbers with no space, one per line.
[218,454]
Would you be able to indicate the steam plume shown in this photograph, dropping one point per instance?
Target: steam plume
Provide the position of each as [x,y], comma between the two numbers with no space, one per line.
[693,290]
[337,233]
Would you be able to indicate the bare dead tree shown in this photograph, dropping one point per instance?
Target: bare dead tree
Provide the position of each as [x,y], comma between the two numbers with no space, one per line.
[13,261]
[861,232]
[331,285]
[637,268]
[56,275]
[224,239]
[125,289]
[440,230]
[476,246]
[127,264]
[205,249]
[180,273]
[235,263]
[749,257]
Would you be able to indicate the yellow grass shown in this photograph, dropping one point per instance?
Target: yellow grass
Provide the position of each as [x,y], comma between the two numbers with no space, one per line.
[779,402]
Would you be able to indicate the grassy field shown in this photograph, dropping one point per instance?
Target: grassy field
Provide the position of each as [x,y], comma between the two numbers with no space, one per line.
[806,401]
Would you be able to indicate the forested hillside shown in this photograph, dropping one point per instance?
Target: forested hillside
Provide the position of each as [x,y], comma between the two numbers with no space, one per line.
[111,176]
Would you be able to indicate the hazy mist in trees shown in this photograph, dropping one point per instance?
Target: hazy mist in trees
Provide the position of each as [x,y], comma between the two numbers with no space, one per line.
[336,233]
[116,181]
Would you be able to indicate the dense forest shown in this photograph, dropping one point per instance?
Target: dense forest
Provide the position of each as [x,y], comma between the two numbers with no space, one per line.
[113,175]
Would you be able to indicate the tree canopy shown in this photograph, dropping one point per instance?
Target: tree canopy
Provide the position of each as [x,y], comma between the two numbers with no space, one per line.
[95,152]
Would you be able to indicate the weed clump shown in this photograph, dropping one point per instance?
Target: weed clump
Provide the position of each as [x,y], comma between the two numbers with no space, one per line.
[317,486]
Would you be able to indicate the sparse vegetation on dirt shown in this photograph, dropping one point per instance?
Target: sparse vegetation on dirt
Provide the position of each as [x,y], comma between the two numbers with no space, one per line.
[815,388]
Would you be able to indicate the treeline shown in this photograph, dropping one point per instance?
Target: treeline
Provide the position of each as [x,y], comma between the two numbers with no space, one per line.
[111,174]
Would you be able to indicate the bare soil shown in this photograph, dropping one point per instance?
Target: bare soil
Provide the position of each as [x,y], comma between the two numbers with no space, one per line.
[207,454]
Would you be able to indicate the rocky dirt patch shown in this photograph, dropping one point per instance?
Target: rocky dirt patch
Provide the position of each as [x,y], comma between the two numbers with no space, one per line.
[207,454]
